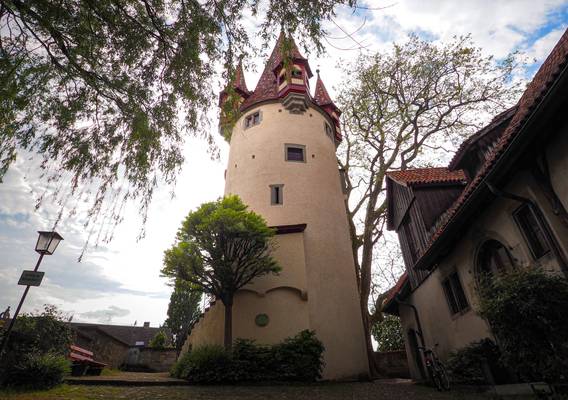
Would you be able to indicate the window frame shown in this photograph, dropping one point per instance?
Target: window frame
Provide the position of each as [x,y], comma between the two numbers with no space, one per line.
[450,284]
[249,120]
[296,73]
[541,224]
[328,130]
[297,146]
[279,189]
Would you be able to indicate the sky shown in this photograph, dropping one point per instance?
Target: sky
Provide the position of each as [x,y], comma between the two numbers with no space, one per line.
[119,282]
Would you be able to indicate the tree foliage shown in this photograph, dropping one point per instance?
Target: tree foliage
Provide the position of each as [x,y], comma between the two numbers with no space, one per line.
[37,349]
[96,87]
[183,312]
[220,248]
[528,313]
[388,334]
[402,108]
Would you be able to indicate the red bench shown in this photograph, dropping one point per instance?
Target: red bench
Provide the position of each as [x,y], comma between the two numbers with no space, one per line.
[83,362]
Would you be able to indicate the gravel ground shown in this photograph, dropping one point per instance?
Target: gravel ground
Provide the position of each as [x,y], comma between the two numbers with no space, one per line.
[388,390]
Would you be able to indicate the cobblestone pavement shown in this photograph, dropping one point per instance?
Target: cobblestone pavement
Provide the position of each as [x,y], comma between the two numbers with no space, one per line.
[388,390]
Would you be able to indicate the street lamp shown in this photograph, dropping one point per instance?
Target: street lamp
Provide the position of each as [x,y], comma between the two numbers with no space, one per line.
[46,244]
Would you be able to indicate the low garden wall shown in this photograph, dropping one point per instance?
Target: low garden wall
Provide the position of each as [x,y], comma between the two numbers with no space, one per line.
[392,364]
[149,359]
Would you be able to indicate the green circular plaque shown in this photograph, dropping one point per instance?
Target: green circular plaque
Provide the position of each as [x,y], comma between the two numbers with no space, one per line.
[261,320]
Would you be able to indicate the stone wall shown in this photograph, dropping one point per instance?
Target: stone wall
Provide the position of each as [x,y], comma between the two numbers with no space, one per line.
[149,359]
[392,364]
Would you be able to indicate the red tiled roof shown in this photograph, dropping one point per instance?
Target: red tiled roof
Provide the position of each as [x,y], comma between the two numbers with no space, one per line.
[424,176]
[267,86]
[396,288]
[321,96]
[497,121]
[534,93]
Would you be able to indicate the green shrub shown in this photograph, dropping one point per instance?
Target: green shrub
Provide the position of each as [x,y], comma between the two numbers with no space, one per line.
[471,364]
[252,361]
[38,371]
[205,364]
[388,334]
[159,340]
[298,358]
[528,313]
[45,334]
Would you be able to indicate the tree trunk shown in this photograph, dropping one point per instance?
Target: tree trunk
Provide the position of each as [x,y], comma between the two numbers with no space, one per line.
[228,338]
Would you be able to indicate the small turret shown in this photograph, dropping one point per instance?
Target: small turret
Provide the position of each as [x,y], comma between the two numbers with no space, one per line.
[322,99]
[231,98]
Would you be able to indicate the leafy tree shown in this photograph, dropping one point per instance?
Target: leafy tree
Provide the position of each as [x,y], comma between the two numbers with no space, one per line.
[183,312]
[388,334]
[401,107]
[95,87]
[159,341]
[220,248]
[528,313]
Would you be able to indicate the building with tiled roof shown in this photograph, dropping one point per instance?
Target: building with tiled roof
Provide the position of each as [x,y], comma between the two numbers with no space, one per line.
[283,164]
[499,205]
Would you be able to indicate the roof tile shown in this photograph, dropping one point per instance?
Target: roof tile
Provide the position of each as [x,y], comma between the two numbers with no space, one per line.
[423,176]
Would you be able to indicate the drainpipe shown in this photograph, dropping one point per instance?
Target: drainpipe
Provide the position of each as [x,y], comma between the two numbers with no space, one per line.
[416,317]
[532,206]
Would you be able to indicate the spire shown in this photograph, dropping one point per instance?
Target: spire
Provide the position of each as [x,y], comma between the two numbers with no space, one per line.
[267,86]
[321,96]
[239,82]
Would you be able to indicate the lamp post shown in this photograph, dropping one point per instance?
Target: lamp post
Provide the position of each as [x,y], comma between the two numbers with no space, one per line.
[46,244]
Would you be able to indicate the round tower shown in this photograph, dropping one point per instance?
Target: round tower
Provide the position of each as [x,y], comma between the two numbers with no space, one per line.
[282,163]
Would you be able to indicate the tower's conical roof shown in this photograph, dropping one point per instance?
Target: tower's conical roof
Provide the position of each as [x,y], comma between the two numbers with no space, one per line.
[321,96]
[267,86]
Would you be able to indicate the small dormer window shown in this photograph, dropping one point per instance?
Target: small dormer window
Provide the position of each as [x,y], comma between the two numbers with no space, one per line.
[253,119]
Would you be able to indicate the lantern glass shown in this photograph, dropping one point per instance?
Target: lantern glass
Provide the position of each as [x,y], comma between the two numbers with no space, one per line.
[47,242]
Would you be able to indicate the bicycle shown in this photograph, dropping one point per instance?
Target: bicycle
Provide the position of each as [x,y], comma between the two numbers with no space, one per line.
[436,369]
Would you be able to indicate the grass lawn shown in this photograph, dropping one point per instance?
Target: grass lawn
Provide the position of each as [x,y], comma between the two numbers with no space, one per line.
[335,391]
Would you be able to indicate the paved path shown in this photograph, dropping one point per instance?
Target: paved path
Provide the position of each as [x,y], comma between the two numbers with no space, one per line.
[378,390]
[128,379]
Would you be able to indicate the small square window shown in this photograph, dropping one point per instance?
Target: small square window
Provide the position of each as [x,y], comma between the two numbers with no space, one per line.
[296,73]
[454,293]
[295,152]
[276,194]
[252,119]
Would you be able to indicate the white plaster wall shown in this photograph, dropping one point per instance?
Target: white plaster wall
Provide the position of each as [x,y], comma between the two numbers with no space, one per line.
[312,195]
[494,222]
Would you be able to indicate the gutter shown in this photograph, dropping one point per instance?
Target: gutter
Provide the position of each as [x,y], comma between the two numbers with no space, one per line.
[478,190]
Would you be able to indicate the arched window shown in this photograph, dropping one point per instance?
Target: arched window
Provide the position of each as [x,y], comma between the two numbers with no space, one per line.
[494,258]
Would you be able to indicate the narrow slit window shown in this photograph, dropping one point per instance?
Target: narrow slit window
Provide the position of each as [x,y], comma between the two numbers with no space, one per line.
[276,194]
[328,130]
[294,152]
